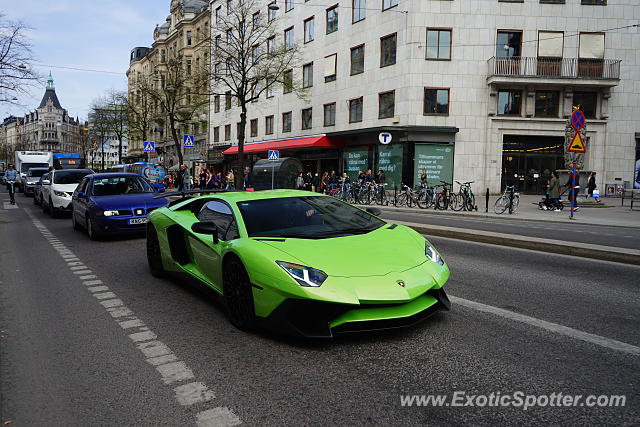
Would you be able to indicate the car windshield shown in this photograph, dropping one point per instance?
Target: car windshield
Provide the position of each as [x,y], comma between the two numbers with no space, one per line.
[115,186]
[69,177]
[36,173]
[311,217]
[24,167]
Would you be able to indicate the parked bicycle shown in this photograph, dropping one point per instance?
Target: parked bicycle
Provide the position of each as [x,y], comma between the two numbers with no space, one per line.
[408,197]
[445,199]
[466,198]
[509,199]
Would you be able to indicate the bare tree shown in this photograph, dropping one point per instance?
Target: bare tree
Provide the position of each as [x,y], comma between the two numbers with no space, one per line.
[99,125]
[16,67]
[249,61]
[141,108]
[117,115]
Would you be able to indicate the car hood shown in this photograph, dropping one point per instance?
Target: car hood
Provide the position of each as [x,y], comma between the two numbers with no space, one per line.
[128,201]
[67,188]
[376,253]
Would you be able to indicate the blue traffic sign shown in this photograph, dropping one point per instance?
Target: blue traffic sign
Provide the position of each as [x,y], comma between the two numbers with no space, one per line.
[149,146]
[578,120]
[273,155]
[188,141]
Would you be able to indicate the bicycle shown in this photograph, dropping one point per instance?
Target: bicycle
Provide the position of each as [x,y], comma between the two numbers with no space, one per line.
[380,195]
[508,200]
[445,199]
[408,197]
[467,196]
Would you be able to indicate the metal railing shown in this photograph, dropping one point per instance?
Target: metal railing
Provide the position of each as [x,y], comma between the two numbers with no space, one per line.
[565,68]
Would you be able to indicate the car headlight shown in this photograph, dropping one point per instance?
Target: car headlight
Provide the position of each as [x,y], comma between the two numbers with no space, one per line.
[59,193]
[432,254]
[305,276]
[110,213]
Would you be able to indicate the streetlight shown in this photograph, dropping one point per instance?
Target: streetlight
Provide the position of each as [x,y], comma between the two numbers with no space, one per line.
[274,6]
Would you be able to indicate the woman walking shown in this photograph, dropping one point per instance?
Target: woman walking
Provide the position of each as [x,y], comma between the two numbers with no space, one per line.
[591,187]
[554,190]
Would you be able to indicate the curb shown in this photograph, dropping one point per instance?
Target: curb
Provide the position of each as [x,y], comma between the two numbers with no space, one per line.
[584,250]
[484,215]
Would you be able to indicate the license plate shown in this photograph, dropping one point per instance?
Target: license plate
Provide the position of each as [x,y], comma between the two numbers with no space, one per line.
[138,221]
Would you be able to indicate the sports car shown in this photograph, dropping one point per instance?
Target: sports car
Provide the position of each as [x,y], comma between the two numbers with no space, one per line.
[299,262]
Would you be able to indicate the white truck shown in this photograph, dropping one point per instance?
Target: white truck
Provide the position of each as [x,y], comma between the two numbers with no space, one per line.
[26,160]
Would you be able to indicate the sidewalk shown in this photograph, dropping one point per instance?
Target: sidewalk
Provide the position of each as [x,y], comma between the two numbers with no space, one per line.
[609,214]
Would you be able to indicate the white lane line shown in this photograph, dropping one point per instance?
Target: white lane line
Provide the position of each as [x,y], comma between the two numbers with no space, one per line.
[8,205]
[601,341]
[157,354]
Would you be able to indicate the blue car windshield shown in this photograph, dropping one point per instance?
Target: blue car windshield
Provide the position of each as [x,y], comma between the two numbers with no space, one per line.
[119,185]
[311,217]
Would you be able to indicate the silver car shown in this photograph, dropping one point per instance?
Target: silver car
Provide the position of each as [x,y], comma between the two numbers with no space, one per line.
[30,181]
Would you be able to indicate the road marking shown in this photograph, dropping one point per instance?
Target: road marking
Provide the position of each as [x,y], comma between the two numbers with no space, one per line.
[157,354]
[550,326]
[8,205]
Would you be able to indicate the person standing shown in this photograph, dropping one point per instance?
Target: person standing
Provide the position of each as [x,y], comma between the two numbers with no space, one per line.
[308,181]
[186,178]
[381,178]
[230,180]
[324,185]
[180,179]
[315,183]
[591,187]
[333,180]
[202,179]
[300,182]
[10,178]
[554,190]
[246,179]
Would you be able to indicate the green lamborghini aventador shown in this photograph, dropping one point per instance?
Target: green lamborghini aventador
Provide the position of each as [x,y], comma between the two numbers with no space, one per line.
[299,262]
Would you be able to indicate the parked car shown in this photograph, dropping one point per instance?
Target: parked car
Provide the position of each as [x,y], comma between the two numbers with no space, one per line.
[57,190]
[32,177]
[113,203]
[37,189]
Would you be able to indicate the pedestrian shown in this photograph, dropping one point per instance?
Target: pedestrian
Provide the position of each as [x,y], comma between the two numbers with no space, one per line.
[202,179]
[368,178]
[246,179]
[180,179]
[333,180]
[230,180]
[324,184]
[187,180]
[308,181]
[381,178]
[218,181]
[554,190]
[300,182]
[592,188]
[315,183]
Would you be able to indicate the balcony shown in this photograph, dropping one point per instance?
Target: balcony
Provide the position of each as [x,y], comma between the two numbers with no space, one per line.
[573,71]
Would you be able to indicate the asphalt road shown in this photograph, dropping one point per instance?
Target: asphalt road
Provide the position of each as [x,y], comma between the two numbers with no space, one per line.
[599,235]
[65,360]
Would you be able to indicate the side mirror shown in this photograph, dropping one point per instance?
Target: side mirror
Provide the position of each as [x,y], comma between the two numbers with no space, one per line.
[374,211]
[206,228]
[81,195]
[46,182]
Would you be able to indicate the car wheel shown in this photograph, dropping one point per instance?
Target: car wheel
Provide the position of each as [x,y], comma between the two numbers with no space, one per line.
[52,210]
[238,295]
[91,231]
[44,206]
[74,223]
[154,255]
[35,199]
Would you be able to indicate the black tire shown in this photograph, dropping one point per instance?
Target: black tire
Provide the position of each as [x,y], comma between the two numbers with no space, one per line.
[52,210]
[74,223]
[238,295]
[501,205]
[44,207]
[456,202]
[470,203]
[35,199]
[91,231]
[154,254]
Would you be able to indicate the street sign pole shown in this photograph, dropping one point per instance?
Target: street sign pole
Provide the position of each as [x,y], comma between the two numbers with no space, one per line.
[273,169]
[273,156]
[573,185]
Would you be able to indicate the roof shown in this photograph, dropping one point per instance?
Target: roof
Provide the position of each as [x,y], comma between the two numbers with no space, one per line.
[285,144]
[194,5]
[243,196]
[50,94]
[113,174]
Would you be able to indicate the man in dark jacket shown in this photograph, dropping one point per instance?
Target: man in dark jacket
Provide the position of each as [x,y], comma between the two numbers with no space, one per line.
[246,179]
[308,181]
[316,182]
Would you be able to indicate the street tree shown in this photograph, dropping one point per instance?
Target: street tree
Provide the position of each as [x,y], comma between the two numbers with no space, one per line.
[141,113]
[249,60]
[16,61]
[99,126]
[117,116]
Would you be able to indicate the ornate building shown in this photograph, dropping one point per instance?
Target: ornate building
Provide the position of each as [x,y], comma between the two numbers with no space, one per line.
[48,128]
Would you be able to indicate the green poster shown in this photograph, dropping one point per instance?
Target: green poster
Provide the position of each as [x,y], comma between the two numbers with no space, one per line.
[437,160]
[355,160]
[390,161]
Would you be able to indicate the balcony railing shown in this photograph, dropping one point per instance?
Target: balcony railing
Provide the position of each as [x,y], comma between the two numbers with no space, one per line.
[560,68]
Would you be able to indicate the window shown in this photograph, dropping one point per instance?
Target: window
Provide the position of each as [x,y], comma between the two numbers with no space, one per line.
[227,132]
[587,102]
[308,29]
[218,14]
[227,100]
[271,44]
[330,66]
[216,104]
[330,114]
[255,53]
[550,46]
[286,122]
[216,134]
[359,10]
[221,214]
[287,81]
[355,110]
[268,125]
[189,39]
[288,5]
[438,44]
[357,59]
[388,4]
[288,38]
[547,104]
[256,20]
[591,55]
[271,14]
[388,50]
[307,75]
[254,127]
[436,101]
[509,102]
[594,2]
[332,19]
[307,117]
[229,6]
[508,44]
[386,104]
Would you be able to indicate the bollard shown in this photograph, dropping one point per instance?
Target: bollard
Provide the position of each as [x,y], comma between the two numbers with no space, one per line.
[395,195]
[486,208]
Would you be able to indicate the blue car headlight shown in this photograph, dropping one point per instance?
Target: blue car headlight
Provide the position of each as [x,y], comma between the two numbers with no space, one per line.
[305,276]
[432,254]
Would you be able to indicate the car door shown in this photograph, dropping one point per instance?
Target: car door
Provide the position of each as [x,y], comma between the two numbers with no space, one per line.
[46,189]
[80,203]
[207,255]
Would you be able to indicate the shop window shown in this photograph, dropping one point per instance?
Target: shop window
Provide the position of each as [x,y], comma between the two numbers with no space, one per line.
[436,101]
[386,104]
[330,114]
[509,102]
[307,118]
[547,104]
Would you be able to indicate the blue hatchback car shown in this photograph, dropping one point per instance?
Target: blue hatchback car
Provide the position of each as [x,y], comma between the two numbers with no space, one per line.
[113,203]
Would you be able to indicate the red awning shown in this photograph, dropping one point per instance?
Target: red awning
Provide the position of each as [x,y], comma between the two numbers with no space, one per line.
[287,144]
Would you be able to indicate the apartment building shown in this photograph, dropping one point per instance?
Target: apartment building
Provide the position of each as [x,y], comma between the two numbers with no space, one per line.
[470,90]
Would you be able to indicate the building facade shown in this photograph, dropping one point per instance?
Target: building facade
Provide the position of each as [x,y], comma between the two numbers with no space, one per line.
[48,128]
[468,90]
[185,33]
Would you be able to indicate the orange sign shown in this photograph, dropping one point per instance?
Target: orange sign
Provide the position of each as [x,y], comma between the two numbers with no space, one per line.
[577,145]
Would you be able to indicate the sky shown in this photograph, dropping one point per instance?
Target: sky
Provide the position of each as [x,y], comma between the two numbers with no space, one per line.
[86,34]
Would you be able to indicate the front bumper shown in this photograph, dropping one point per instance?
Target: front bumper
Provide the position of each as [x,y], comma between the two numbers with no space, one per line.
[61,203]
[315,319]
[120,224]
[29,188]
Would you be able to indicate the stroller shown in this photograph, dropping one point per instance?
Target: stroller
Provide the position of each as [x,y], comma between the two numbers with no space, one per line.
[547,205]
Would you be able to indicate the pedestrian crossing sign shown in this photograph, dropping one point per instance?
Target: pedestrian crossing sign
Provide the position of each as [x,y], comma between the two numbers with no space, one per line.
[273,155]
[149,147]
[577,144]
[188,141]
